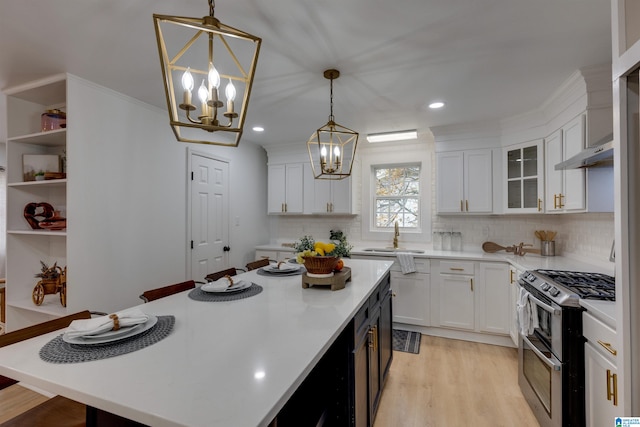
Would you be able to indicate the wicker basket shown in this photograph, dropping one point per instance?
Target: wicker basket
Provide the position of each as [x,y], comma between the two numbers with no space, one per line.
[320,264]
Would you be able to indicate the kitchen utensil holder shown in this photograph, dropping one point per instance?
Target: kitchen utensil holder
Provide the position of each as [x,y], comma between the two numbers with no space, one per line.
[548,248]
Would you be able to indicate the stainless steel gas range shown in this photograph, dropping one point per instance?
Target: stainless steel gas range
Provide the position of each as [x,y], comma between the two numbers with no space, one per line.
[551,346]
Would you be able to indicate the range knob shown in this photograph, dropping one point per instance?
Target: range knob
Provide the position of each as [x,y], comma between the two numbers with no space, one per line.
[545,286]
[554,291]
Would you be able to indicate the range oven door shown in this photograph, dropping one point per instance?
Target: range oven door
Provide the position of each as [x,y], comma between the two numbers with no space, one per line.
[540,365]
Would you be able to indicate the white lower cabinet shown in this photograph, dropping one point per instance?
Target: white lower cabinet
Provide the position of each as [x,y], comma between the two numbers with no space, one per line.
[411,297]
[603,397]
[274,255]
[514,294]
[493,298]
[471,296]
[452,296]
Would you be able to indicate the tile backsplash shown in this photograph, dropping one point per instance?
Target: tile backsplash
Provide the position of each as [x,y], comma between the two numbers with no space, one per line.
[584,236]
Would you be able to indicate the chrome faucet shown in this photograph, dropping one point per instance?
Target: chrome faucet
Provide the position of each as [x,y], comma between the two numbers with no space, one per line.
[396,234]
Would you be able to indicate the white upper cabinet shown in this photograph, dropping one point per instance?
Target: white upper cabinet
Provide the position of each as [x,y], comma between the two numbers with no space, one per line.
[565,190]
[464,181]
[524,179]
[285,188]
[332,196]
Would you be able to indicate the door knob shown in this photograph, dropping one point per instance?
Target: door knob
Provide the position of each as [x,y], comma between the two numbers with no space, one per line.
[226,248]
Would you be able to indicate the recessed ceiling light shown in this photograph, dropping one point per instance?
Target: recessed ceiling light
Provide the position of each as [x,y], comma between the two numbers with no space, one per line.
[436,105]
[392,136]
[258,129]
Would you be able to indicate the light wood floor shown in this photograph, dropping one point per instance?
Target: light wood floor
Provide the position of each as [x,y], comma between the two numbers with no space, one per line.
[454,383]
[16,399]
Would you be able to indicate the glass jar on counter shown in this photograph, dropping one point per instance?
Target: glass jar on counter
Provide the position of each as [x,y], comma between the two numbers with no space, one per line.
[437,240]
[446,240]
[53,119]
[456,241]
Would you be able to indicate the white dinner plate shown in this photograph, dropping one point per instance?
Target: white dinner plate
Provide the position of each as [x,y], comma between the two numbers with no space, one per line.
[239,286]
[115,334]
[284,268]
[102,339]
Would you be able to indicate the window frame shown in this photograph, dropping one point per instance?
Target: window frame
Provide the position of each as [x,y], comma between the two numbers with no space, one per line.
[416,154]
[375,197]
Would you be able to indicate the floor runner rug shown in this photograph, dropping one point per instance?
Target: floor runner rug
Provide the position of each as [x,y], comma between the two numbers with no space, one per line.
[406,341]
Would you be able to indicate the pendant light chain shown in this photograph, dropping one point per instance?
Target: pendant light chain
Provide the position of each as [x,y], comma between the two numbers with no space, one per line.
[212,5]
[331,118]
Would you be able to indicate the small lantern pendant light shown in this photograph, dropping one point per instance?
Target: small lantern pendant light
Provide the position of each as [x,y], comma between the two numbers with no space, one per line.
[332,148]
[214,53]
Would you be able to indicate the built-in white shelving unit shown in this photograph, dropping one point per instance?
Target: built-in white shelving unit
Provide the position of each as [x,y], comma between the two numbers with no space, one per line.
[26,247]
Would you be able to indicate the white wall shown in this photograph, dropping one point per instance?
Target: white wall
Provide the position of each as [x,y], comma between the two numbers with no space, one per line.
[127,194]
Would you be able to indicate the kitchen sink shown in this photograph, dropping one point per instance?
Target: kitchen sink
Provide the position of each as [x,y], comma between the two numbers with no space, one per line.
[392,250]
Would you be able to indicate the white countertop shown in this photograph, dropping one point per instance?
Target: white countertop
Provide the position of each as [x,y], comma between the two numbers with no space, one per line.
[527,262]
[603,310]
[224,364]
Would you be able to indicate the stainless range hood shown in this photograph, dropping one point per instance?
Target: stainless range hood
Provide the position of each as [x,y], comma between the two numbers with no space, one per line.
[599,155]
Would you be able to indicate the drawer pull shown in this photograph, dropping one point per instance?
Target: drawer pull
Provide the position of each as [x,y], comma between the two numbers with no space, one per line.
[461,206]
[456,269]
[511,276]
[612,387]
[539,205]
[607,346]
[471,284]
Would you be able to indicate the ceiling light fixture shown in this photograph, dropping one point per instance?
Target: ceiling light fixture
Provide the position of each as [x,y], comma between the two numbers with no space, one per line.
[436,105]
[332,148]
[214,53]
[393,136]
[258,129]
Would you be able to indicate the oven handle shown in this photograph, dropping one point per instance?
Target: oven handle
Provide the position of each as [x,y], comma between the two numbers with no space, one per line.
[545,359]
[547,307]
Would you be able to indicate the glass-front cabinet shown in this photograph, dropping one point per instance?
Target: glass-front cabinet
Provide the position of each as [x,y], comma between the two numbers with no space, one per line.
[523,185]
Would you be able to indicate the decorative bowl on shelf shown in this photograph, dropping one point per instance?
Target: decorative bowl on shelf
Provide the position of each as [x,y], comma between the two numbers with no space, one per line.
[56,222]
[320,264]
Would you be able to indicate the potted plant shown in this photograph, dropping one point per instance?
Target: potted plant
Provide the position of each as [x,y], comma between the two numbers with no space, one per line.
[39,175]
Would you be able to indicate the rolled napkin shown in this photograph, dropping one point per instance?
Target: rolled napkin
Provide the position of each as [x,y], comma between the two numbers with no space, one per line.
[99,325]
[223,284]
[285,266]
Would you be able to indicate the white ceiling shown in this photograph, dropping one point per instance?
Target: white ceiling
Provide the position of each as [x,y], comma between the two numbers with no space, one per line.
[487,59]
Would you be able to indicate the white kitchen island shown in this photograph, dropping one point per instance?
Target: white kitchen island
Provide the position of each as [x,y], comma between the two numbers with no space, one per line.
[231,363]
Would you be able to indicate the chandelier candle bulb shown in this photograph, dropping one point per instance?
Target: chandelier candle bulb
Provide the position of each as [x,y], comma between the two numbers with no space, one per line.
[230,91]
[187,85]
[203,94]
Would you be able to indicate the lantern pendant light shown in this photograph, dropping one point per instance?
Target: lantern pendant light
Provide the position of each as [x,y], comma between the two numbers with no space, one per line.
[202,54]
[332,148]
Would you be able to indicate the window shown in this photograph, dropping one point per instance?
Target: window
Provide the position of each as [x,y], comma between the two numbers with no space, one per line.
[396,185]
[397,196]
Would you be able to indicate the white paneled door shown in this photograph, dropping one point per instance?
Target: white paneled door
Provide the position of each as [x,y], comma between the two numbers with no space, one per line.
[209,215]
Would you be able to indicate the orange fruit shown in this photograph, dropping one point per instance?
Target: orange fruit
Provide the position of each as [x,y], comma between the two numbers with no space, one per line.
[339,265]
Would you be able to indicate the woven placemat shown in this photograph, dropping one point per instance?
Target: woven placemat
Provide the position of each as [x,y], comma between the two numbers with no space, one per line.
[58,351]
[198,294]
[261,272]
